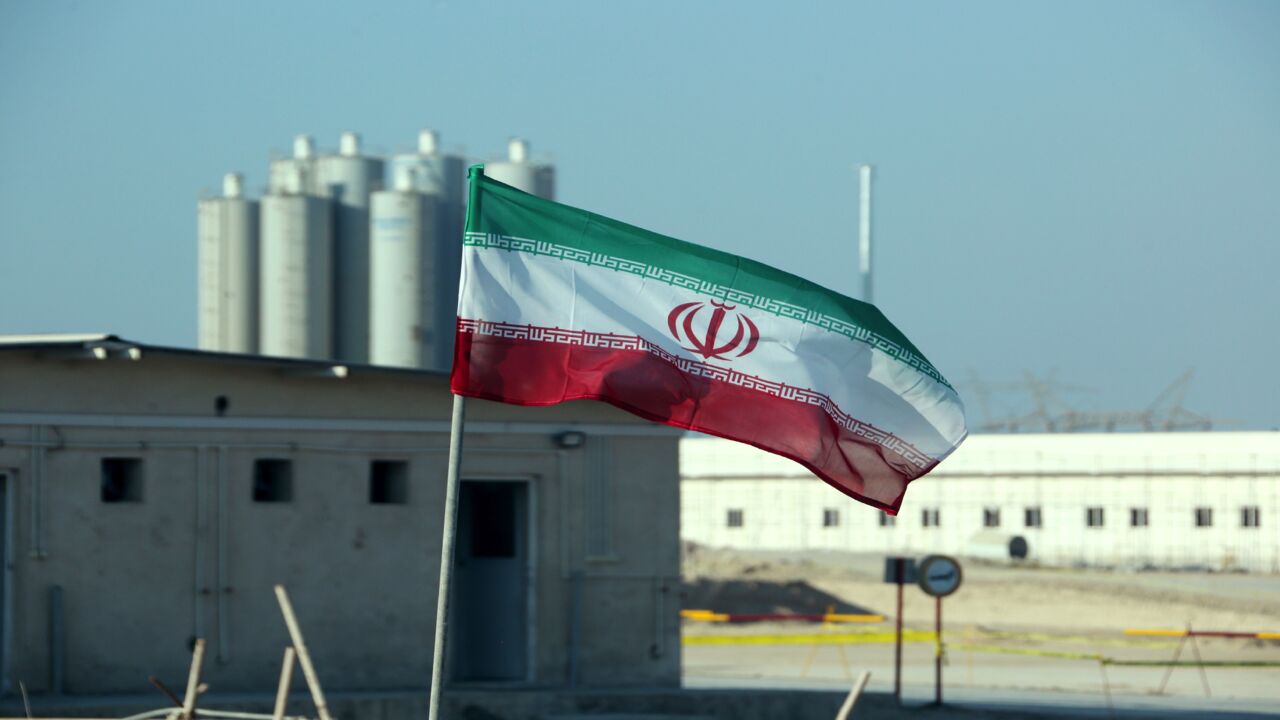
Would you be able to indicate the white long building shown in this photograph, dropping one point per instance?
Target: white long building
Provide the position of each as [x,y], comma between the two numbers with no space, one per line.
[1208,500]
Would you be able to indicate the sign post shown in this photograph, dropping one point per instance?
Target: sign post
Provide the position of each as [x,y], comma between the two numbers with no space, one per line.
[940,575]
[898,570]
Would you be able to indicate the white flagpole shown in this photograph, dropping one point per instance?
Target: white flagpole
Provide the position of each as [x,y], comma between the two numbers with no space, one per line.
[446,552]
[449,532]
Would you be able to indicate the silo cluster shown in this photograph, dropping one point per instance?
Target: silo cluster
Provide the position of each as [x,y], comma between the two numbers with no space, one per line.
[330,265]
[227,247]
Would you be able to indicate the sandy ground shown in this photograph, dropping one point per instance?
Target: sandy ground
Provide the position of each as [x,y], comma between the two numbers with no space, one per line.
[1006,628]
[1002,597]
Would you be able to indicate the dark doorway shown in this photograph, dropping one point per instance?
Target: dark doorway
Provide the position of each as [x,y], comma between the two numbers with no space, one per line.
[488,636]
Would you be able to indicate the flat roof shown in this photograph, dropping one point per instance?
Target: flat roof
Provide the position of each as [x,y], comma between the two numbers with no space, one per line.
[104,346]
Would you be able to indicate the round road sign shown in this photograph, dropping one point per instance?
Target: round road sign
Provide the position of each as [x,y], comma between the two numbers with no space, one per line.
[939,575]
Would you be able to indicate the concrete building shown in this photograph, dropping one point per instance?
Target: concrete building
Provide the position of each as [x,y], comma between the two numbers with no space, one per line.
[154,495]
[1208,500]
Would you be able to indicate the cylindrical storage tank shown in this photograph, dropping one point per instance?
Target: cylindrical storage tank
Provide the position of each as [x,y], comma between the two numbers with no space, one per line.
[518,172]
[405,296]
[296,264]
[290,176]
[227,247]
[444,176]
[433,172]
[545,182]
[347,179]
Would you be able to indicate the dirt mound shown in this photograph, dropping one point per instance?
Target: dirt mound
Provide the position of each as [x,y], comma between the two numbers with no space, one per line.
[763,596]
[700,561]
[730,581]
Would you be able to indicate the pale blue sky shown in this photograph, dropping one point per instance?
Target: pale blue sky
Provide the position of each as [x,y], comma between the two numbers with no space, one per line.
[1091,187]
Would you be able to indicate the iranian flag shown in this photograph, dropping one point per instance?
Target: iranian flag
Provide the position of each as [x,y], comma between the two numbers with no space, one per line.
[561,304]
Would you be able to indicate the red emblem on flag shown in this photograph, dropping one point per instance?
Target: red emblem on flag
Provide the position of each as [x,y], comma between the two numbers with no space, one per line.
[703,339]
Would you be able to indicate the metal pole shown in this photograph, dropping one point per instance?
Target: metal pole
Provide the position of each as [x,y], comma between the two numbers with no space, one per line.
[193,680]
[852,698]
[897,650]
[304,657]
[282,688]
[937,659]
[1195,648]
[864,230]
[446,552]
[177,701]
[1169,670]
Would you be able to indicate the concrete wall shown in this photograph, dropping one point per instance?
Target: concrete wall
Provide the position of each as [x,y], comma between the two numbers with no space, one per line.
[1170,475]
[197,557]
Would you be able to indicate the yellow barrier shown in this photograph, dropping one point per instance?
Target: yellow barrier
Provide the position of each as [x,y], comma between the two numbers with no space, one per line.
[705,615]
[823,639]
[712,616]
[1157,633]
[873,637]
[837,617]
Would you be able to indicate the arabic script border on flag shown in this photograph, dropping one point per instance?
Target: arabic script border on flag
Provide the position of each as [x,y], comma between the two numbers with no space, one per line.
[612,341]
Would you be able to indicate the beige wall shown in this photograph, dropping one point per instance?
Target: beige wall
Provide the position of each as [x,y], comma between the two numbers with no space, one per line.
[198,558]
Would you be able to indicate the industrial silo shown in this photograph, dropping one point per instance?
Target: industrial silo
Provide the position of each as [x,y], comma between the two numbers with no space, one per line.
[434,171]
[442,176]
[227,246]
[296,174]
[405,259]
[296,275]
[347,179]
[519,172]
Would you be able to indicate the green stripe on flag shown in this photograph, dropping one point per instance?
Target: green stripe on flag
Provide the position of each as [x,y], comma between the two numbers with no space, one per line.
[509,219]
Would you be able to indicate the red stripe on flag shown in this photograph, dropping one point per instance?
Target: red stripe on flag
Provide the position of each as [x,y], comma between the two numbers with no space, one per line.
[528,372]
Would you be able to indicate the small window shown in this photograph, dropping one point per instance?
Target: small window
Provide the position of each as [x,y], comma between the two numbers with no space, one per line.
[734,520]
[929,517]
[1204,517]
[1251,516]
[991,517]
[389,482]
[1093,517]
[1138,517]
[887,520]
[272,481]
[830,518]
[121,480]
[1031,517]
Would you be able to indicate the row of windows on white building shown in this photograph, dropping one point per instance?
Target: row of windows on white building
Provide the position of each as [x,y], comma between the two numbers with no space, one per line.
[1094,517]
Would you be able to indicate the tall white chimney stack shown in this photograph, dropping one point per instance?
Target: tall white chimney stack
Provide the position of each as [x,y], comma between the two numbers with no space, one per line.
[864,230]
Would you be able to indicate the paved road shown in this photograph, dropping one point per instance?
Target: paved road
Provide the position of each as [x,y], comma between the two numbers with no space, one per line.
[1070,686]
